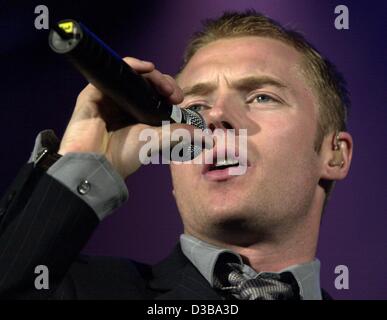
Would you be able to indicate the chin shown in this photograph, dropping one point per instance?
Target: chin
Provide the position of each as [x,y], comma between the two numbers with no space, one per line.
[240,221]
[226,213]
[235,229]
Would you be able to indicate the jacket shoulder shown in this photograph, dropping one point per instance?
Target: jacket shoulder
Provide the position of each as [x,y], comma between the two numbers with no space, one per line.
[96,277]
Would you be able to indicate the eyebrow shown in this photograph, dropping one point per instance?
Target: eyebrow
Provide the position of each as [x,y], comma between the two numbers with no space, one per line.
[200,89]
[246,84]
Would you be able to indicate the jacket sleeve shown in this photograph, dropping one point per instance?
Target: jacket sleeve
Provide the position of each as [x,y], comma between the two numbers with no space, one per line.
[42,222]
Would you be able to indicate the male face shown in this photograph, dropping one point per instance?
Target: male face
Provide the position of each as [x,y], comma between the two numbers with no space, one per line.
[251,83]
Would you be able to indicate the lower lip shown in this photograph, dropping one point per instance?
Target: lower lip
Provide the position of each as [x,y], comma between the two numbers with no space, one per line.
[220,175]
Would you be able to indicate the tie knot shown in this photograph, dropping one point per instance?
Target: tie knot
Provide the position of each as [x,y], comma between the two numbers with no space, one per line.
[231,279]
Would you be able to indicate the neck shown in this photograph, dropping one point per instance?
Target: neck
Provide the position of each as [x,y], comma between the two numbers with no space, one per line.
[286,246]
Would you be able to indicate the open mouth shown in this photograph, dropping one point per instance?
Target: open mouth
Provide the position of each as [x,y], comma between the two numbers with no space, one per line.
[222,170]
[223,164]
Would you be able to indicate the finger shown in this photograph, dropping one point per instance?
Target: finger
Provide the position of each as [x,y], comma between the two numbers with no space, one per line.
[177,95]
[90,93]
[164,84]
[160,83]
[87,103]
[139,66]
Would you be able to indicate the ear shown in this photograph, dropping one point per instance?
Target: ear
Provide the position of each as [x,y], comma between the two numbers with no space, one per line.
[173,192]
[336,153]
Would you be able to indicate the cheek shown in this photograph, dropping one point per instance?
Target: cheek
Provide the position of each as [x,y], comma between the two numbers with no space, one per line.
[180,176]
[183,188]
[287,137]
[175,172]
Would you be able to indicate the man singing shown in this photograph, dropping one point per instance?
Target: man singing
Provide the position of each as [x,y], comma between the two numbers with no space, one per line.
[251,236]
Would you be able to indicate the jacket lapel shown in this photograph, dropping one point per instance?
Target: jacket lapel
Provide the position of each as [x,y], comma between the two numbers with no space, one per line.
[177,278]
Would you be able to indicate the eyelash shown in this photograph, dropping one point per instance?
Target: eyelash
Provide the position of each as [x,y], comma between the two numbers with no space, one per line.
[193,106]
[251,100]
[263,95]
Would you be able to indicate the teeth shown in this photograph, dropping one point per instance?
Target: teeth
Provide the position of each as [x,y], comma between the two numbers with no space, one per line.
[226,163]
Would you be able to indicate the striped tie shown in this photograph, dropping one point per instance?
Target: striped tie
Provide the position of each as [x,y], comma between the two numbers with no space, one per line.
[265,286]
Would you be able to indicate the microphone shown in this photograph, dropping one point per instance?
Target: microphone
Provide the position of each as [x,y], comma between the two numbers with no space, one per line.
[104,68]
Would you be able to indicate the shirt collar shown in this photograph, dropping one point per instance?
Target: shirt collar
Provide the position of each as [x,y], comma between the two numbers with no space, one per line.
[204,257]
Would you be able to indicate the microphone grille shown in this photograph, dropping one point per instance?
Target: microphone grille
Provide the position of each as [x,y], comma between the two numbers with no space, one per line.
[193,118]
[193,151]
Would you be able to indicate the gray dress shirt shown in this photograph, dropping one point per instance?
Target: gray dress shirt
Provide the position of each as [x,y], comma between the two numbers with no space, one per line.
[204,257]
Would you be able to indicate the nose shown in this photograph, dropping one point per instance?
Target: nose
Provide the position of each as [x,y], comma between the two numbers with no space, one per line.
[224,114]
[220,125]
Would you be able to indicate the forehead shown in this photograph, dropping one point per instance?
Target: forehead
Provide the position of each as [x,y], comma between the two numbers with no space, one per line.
[240,57]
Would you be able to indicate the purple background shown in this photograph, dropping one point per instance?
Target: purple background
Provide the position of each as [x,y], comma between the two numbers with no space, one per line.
[38,90]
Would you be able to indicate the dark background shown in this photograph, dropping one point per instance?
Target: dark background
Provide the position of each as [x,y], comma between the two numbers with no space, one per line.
[38,90]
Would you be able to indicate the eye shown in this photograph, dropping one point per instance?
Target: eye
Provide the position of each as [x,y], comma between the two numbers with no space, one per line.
[197,107]
[263,98]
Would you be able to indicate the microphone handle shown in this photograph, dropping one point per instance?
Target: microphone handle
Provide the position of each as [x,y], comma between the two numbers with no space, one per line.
[102,67]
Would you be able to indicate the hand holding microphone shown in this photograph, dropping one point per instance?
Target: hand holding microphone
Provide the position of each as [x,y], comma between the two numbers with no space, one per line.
[122,99]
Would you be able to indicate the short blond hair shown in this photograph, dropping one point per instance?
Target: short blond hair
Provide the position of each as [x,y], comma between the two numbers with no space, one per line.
[327,83]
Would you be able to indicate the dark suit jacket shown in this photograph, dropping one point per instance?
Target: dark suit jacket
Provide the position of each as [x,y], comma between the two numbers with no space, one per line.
[44,223]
